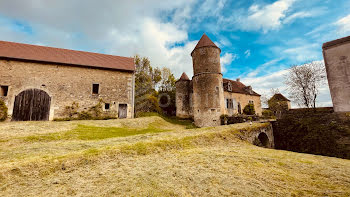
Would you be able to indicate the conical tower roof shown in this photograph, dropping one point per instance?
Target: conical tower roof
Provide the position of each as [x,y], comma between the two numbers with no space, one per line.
[184,77]
[205,42]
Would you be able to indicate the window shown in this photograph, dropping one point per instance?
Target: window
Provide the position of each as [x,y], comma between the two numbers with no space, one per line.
[107,106]
[229,87]
[4,90]
[251,102]
[239,108]
[95,88]
[229,103]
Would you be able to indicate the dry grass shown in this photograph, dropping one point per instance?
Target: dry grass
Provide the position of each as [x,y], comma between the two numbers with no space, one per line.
[179,162]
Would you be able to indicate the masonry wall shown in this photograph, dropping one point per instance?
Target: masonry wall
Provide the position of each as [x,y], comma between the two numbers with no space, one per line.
[184,99]
[208,98]
[243,99]
[68,84]
[337,59]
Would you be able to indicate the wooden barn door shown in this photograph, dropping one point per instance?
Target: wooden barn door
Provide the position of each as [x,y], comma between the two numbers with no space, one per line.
[31,104]
[122,111]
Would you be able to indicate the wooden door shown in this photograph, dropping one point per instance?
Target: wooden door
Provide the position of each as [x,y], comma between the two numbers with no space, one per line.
[122,111]
[31,104]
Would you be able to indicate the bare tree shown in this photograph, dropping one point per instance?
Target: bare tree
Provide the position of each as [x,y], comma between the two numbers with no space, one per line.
[304,81]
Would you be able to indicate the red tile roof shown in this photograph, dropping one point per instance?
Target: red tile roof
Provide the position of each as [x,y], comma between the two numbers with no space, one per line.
[279,97]
[336,42]
[64,56]
[205,42]
[238,87]
[184,76]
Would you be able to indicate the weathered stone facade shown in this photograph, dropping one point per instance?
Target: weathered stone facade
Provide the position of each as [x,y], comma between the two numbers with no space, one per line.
[66,84]
[241,100]
[337,59]
[205,98]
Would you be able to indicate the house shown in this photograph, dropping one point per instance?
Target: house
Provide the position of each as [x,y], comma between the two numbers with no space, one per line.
[208,96]
[39,83]
[279,104]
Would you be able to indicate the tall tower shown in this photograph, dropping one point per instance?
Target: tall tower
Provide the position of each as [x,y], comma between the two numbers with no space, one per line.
[208,93]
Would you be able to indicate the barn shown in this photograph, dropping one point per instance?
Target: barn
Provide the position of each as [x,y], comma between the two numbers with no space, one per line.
[41,83]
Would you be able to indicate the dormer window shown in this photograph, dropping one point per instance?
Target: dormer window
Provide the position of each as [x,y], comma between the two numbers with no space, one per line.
[229,87]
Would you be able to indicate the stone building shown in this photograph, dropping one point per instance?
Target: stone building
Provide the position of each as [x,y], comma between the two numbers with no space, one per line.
[336,55]
[279,104]
[208,96]
[38,83]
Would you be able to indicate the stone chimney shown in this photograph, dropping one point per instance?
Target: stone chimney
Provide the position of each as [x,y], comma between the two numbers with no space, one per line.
[238,79]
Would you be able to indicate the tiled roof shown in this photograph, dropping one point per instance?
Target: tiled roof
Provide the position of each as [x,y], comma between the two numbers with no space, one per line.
[336,42]
[64,56]
[279,97]
[238,87]
[205,42]
[184,77]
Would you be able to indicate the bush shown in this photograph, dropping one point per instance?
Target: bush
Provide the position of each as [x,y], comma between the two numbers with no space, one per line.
[249,109]
[268,114]
[84,116]
[3,111]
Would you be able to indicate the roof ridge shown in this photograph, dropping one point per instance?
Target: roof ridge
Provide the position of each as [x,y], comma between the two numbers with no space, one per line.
[205,41]
[38,53]
[34,45]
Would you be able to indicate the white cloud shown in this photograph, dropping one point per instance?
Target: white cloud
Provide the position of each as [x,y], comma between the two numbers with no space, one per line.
[264,84]
[343,25]
[295,16]
[247,53]
[267,17]
[111,26]
[264,67]
[226,60]
[305,52]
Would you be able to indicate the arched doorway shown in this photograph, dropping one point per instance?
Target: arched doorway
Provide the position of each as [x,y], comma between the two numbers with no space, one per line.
[263,139]
[31,104]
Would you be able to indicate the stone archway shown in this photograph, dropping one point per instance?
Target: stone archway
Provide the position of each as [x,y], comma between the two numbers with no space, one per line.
[31,104]
[264,139]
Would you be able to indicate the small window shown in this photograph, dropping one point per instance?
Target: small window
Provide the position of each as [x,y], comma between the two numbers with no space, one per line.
[229,87]
[107,106]
[251,102]
[95,88]
[4,90]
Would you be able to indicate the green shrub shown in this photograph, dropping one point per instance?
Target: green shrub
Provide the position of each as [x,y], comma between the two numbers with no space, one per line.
[249,109]
[72,110]
[268,114]
[84,116]
[3,111]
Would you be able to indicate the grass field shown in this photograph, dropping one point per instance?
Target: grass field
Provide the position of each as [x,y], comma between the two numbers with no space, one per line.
[152,156]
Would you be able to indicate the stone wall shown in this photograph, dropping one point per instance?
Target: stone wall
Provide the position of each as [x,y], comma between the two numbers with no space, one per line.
[68,84]
[208,93]
[337,59]
[184,92]
[243,99]
[260,136]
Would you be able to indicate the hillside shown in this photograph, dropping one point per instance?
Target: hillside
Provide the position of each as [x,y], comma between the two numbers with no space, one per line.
[153,157]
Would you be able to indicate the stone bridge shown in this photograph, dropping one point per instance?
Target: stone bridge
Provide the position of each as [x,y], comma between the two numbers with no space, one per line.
[260,136]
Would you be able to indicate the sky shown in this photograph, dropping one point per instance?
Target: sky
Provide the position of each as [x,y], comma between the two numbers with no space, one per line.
[259,39]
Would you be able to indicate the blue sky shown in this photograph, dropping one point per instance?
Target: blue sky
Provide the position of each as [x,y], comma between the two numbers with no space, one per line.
[259,39]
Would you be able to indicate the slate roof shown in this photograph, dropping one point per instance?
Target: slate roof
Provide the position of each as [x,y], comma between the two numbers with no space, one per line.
[238,87]
[45,54]
[205,42]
